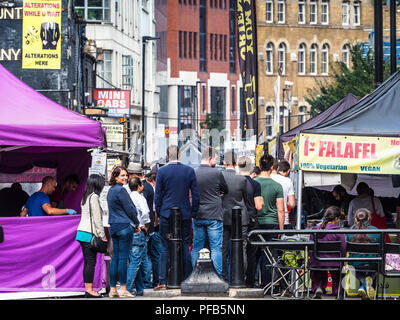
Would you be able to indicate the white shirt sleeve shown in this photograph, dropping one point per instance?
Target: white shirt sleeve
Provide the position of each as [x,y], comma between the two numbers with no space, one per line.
[378,207]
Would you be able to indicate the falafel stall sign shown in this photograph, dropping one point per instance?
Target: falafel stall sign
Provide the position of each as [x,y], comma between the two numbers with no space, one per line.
[351,154]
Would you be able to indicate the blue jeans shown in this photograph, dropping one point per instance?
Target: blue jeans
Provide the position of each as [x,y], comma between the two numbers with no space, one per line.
[165,247]
[122,242]
[214,230]
[154,249]
[137,257]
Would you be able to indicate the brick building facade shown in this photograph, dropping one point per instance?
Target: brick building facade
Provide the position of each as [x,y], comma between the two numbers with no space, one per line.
[202,75]
[304,38]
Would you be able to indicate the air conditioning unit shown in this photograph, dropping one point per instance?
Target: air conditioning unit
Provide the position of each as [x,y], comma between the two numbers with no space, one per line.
[261,101]
[293,57]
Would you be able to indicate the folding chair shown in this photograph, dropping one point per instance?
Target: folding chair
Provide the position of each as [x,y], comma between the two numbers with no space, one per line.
[389,248]
[280,272]
[371,251]
[332,248]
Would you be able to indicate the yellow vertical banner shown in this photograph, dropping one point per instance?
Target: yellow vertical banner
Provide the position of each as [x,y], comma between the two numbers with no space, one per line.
[41,32]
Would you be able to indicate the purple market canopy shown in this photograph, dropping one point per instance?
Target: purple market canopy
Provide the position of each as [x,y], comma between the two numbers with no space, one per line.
[28,118]
[36,131]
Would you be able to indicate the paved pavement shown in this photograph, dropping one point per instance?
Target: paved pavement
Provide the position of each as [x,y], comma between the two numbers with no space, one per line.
[149,294]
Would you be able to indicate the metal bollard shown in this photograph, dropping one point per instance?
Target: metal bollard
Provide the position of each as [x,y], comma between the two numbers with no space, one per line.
[204,280]
[175,249]
[237,263]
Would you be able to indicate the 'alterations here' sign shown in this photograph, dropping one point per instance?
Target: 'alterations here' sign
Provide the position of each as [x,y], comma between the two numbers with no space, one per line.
[41,30]
[351,154]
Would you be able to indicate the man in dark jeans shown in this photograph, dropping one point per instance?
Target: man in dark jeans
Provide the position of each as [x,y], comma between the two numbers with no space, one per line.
[174,183]
[272,215]
[254,202]
[208,221]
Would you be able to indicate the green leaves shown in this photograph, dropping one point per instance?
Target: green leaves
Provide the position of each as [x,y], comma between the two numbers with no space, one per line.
[360,80]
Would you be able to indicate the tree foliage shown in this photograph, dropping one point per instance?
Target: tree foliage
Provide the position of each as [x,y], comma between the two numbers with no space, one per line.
[212,121]
[359,80]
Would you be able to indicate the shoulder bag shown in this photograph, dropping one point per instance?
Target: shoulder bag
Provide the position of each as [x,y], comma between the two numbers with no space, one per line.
[96,243]
[378,221]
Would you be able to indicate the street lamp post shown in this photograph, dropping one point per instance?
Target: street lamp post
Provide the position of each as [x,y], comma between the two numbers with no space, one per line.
[144,41]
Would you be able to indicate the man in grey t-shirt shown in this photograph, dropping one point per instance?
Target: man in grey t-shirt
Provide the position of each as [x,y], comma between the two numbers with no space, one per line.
[208,221]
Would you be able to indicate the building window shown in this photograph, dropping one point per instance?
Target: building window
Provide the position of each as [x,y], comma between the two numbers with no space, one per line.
[281,11]
[269,11]
[302,59]
[346,55]
[186,106]
[184,44]
[269,60]
[127,72]
[105,71]
[190,45]
[90,10]
[220,47]
[313,59]
[269,117]
[194,45]
[313,12]
[203,36]
[302,12]
[232,37]
[218,100]
[357,13]
[282,58]
[203,89]
[301,115]
[325,59]
[233,100]
[215,47]
[180,44]
[211,46]
[345,13]
[325,12]
[225,40]
[282,112]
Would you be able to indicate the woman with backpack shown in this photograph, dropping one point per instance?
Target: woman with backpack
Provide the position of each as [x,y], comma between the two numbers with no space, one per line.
[319,278]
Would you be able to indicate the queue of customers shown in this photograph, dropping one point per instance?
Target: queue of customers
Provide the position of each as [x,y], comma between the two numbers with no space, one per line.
[139,217]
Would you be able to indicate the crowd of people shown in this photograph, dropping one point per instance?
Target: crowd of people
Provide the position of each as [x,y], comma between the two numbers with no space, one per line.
[140,217]
[139,209]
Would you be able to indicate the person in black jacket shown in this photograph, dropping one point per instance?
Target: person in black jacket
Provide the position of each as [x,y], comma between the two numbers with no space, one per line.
[208,221]
[237,196]
[123,222]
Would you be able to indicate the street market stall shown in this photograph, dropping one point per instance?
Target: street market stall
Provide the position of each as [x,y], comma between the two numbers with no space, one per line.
[40,253]
[360,142]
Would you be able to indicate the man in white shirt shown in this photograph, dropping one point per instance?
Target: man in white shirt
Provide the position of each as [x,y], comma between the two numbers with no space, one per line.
[364,200]
[280,174]
[138,252]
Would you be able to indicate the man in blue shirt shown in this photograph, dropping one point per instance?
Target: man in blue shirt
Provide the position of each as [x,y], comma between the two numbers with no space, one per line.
[38,204]
[175,183]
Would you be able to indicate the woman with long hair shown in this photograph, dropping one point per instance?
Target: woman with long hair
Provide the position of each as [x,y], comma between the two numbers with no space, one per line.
[319,277]
[123,223]
[91,224]
[362,218]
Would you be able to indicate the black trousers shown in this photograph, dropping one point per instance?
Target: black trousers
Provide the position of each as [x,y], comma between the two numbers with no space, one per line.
[253,255]
[89,262]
